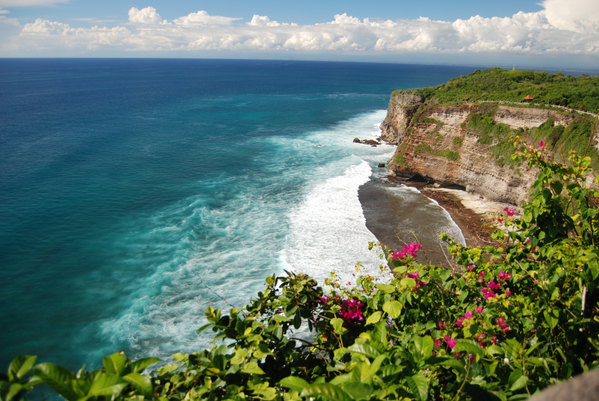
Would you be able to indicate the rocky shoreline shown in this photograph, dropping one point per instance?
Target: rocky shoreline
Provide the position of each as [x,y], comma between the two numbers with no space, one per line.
[471,213]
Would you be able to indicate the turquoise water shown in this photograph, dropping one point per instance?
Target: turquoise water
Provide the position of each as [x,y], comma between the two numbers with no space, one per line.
[134,193]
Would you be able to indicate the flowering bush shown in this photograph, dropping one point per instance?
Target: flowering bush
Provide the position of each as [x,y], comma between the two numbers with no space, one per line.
[502,323]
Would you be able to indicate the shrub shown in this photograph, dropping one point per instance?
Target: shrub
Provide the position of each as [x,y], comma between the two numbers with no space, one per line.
[501,324]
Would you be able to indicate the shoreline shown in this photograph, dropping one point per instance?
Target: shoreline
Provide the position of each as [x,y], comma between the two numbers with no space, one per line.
[470,212]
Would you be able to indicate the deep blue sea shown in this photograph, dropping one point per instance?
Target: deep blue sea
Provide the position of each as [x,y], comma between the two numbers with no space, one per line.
[134,193]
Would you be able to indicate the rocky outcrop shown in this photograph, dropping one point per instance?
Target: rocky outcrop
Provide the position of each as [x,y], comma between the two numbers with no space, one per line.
[399,114]
[434,143]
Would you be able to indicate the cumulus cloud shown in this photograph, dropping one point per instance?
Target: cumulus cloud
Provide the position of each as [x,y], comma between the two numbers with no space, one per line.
[146,15]
[538,33]
[573,15]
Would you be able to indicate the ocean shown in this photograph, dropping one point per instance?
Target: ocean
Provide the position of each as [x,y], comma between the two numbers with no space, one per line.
[136,192]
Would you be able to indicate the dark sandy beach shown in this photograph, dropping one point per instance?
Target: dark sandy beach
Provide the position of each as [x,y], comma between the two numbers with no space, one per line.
[398,220]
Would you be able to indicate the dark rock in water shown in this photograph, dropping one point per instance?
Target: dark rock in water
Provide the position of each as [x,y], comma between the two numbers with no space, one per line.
[371,142]
[381,165]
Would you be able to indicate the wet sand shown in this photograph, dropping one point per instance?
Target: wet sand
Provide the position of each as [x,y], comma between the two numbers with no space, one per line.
[386,217]
[399,215]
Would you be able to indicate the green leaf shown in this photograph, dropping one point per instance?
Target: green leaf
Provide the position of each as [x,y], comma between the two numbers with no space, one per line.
[294,383]
[365,349]
[374,318]
[337,324]
[20,366]
[252,368]
[57,378]
[418,386]
[376,365]
[424,346]
[14,390]
[470,346]
[550,318]
[517,380]
[393,308]
[455,364]
[557,187]
[204,327]
[379,333]
[357,390]
[386,288]
[140,382]
[115,363]
[106,384]
[327,391]
[239,357]
[140,365]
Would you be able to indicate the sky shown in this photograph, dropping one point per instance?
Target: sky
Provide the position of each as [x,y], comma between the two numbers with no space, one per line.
[558,33]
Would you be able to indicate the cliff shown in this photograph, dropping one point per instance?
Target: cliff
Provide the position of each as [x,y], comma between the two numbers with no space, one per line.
[467,144]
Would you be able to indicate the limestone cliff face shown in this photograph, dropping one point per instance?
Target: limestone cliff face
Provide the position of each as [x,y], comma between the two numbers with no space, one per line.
[399,114]
[434,142]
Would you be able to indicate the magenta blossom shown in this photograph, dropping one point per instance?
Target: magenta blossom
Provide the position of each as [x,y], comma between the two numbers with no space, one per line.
[493,285]
[351,310]
[488,293]
[450,341]
[408,250]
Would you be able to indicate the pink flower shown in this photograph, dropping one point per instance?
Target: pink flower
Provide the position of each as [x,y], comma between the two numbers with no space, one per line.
[413,275]
[468,315]
[541,144]
[408,250]
[437,343]
[501,323]
[493,285]
[479,309]
[507,293]
[450,341]
[504,276]
[508,211]
[487,293]
[351,310]
[470,267]
[441,325]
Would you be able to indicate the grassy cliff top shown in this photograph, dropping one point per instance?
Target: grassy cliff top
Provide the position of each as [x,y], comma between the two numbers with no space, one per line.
[496,84]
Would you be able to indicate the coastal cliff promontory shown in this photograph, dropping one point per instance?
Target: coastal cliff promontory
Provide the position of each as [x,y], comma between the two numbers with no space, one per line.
[458,134]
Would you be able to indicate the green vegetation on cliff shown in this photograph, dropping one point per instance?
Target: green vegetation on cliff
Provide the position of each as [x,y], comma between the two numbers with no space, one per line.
[496,84]
[486,90]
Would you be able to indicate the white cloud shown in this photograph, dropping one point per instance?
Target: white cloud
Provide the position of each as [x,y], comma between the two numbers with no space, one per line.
[146,15]
[573,15]
[203,18]
[146,31]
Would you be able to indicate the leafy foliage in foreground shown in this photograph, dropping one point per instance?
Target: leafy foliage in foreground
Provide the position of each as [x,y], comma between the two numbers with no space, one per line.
[496,84]
[501,324]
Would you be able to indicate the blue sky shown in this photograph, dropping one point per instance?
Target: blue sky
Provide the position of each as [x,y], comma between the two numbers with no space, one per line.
[530,32]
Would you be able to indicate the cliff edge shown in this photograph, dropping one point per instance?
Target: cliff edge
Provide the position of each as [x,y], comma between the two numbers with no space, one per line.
[467,144]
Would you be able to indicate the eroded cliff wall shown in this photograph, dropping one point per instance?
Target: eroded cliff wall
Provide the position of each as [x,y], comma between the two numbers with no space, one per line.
[434,142]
